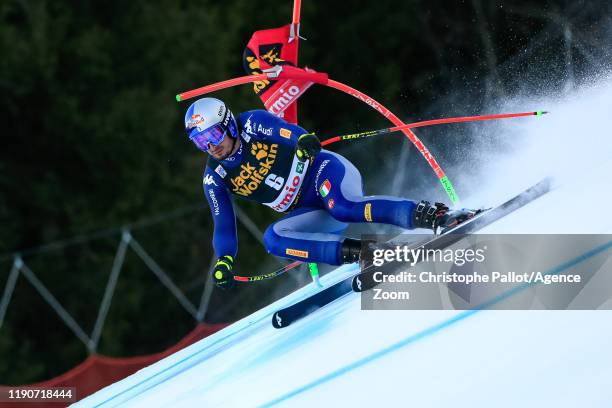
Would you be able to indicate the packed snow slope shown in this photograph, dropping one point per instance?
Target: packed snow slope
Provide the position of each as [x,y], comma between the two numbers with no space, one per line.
[344,356]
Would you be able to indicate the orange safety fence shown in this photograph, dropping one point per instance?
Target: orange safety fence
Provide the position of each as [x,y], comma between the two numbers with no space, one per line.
[98,371]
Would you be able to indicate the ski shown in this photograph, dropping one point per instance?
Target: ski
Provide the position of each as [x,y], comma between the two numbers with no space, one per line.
[363,280]
[284,317]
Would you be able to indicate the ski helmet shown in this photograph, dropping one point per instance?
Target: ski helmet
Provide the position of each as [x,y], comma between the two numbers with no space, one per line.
[207,121]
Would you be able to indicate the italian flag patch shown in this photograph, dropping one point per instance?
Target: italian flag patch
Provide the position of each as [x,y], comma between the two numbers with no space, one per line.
[325,188]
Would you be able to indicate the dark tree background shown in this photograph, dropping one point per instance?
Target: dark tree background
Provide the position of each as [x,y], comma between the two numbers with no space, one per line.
[93,139]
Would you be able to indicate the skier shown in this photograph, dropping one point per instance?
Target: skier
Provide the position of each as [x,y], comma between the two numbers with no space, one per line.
[258,156]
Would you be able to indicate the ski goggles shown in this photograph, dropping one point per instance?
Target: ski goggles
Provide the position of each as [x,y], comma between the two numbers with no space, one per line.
[213,135]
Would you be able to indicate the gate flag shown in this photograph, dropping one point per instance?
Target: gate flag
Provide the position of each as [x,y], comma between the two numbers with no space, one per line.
[266,49]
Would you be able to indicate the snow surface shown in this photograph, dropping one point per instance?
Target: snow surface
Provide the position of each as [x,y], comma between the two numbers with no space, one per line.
[341,355]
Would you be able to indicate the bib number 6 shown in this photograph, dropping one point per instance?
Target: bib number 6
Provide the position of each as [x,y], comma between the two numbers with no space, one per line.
[274,181]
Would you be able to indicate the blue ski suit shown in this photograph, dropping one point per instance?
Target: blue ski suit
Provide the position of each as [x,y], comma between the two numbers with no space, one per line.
[320,196]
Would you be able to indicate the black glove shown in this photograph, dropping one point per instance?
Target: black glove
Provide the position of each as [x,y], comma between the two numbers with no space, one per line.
[222,274]
[308,146]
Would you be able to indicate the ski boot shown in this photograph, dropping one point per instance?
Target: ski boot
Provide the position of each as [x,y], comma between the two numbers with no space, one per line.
[352,251]
[438,217]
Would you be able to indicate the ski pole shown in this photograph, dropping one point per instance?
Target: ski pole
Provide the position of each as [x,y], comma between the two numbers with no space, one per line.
[268,275]
[312,268]
[378,132]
